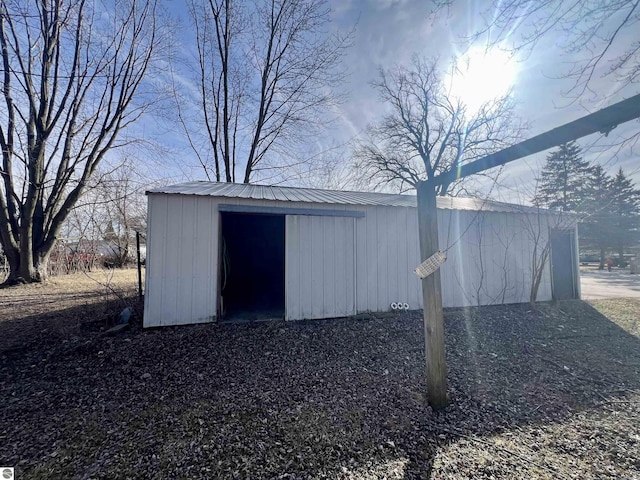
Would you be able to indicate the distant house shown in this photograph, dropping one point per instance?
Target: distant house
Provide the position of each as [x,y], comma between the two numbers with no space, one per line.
[223,251]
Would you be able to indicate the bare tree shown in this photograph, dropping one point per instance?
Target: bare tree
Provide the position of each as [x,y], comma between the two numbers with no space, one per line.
[533,225]
[505,241]
[72,81]
[428,131]
[118,211]
[266,73]
[539,226]
[482,287]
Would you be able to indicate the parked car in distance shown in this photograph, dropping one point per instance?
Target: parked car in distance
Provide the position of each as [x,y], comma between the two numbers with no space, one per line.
[587,259]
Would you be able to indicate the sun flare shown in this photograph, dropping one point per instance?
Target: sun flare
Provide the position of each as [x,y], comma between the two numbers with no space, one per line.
[482,75]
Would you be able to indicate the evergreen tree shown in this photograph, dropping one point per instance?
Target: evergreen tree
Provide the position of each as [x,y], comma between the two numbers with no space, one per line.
[561,183]
[625,211]
[596,224]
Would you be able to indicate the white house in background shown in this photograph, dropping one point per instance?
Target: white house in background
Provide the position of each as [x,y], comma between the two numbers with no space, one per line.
[219,251]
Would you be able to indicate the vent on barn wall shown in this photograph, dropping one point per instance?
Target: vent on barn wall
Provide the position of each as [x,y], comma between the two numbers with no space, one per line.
[399,306]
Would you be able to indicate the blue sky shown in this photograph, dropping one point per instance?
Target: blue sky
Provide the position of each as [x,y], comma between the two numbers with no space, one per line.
[391,31]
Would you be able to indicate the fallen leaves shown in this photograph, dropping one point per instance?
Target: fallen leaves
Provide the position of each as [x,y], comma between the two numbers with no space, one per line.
[339,398]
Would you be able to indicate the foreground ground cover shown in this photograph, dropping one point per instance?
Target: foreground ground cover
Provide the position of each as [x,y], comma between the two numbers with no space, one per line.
[547,393]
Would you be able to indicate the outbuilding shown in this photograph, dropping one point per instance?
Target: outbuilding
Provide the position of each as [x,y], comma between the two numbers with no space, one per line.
[221,251]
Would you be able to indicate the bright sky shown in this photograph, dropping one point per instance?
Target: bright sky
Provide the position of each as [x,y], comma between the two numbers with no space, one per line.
[391,31]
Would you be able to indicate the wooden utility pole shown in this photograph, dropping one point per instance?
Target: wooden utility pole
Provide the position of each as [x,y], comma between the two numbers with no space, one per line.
[432,299]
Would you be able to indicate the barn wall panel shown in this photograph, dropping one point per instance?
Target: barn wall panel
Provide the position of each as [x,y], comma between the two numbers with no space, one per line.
[370,270]
[181,260]
[292,268]
[156,239]
[386,253]
[319,267]
[205,261]
[361,264]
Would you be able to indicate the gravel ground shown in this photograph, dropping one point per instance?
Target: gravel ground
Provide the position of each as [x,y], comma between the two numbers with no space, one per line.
[548,393]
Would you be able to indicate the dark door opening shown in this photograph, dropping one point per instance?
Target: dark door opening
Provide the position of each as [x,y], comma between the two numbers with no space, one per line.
[252,266]
[563,269]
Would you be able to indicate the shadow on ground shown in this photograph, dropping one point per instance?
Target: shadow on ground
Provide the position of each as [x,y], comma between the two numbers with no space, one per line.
[615,278]
[324,399]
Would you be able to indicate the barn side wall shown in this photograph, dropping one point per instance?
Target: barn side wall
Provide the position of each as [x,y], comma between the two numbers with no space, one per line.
[491,256]
[181,264]
[489,261]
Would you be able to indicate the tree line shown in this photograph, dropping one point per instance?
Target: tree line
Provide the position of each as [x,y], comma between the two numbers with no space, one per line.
[608,205]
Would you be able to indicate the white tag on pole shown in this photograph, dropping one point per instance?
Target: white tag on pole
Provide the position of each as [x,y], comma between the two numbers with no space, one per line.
[431,264]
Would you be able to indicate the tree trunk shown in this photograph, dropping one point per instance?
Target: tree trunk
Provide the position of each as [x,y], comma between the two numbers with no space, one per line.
[27,266]
[13,259]
[538,271]
[535,286]
[26,269]
[42,266]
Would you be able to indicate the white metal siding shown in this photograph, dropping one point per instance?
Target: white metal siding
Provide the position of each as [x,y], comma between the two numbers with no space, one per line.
[378,253]
[387,252]
[319,267]
[489,262]
[182,249]
[490,259]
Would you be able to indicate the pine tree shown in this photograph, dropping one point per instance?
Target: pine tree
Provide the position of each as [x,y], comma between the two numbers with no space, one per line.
[625,211]
[561,183]
[597,221]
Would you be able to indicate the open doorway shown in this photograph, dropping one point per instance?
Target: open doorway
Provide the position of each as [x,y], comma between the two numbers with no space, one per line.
[252,266]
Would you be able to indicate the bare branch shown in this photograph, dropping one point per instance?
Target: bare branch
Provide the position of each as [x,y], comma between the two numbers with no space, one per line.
[73,74]
[428,132]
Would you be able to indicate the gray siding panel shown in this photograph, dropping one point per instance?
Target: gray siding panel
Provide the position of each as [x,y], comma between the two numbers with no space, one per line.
[330,267]
[361,265]
[293,279]
[382,246]
[371,264]
[386,258]
[319,267]
[316,252]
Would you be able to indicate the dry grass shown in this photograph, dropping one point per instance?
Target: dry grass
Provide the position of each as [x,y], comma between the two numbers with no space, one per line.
[624,311]
[552,393]
[64,291]
[64,304]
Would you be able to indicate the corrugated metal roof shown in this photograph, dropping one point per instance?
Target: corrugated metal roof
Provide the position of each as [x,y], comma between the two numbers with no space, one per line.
[335,197]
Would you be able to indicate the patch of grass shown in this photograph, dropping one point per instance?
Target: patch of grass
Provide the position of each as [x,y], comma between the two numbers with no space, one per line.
[625,312]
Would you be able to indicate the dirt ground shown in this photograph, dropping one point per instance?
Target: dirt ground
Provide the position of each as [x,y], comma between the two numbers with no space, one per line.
[550,393]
